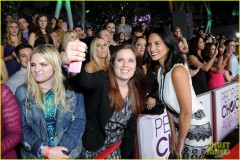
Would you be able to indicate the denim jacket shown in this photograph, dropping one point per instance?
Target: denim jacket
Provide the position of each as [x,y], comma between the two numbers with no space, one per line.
[70,124]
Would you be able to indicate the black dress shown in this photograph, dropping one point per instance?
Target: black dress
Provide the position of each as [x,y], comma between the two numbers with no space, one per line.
[199,81]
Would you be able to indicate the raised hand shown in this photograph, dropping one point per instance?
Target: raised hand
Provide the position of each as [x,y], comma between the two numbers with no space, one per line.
[75,52]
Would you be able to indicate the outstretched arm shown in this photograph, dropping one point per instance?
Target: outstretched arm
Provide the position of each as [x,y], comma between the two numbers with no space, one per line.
[75,52]
[181,84]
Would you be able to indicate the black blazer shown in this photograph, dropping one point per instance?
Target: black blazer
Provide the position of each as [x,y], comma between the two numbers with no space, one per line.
[95,87]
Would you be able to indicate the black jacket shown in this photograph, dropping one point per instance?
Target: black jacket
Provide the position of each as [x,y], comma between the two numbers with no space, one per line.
[95,88]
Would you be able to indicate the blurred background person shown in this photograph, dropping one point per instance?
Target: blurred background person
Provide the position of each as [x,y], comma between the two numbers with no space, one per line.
[22,51]
[178,33]
[12,39]
[23,24]
[11,124]
[41,33]
[53,23]
[125,28]
[231,45]
[4,75]
[196,61]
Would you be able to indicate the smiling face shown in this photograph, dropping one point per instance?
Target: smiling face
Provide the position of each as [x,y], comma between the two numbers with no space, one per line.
[24,56]
[157,48]
[140,46]
[41,70]
[124,65]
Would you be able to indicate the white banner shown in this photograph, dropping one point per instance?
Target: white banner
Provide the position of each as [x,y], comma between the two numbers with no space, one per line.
[153,136]
[154,131]
[226,109]
[206,100]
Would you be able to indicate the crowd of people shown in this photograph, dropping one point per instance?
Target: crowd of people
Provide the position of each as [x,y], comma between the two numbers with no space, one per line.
[126,71]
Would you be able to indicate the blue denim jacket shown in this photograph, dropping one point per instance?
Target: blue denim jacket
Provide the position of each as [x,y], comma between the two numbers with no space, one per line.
[70,124]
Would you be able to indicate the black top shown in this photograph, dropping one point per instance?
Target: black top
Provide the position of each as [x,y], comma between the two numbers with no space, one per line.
[95,88]
[152,91]
[199,81]
[112,49]
[88,41]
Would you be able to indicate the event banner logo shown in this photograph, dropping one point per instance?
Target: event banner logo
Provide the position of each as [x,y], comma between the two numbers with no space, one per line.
[162,145]
[229,108]
[153,136]
[218,148]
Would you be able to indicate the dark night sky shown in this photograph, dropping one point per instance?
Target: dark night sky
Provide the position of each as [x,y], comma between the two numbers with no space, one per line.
[221,10]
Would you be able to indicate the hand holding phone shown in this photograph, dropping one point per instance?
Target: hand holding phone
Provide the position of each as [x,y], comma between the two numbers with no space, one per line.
[229,52]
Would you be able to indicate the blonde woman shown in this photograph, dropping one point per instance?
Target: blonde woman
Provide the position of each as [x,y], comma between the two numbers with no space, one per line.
[178,33]
[69,35]
[53,117]
[12,39]
[99,55]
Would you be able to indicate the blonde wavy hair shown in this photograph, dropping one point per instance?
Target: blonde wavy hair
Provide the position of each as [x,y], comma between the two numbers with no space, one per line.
[8,36]
[67,37]
[50,53]
[93,53]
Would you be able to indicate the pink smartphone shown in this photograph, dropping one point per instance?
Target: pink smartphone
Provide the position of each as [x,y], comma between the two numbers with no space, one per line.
[75,67]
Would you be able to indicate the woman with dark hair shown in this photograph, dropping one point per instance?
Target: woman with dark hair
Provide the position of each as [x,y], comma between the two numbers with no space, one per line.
[111,26]
[152,99]
[53,23]
[145,28]
[216,72]
[41,34]
[117,98]
[195,61]
[190,129]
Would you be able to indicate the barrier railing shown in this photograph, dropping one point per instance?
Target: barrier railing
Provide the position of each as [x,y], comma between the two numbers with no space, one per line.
[221,107]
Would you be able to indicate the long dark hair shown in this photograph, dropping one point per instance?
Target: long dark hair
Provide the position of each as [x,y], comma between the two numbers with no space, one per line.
[174,55]
[193,48]
[37,29]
